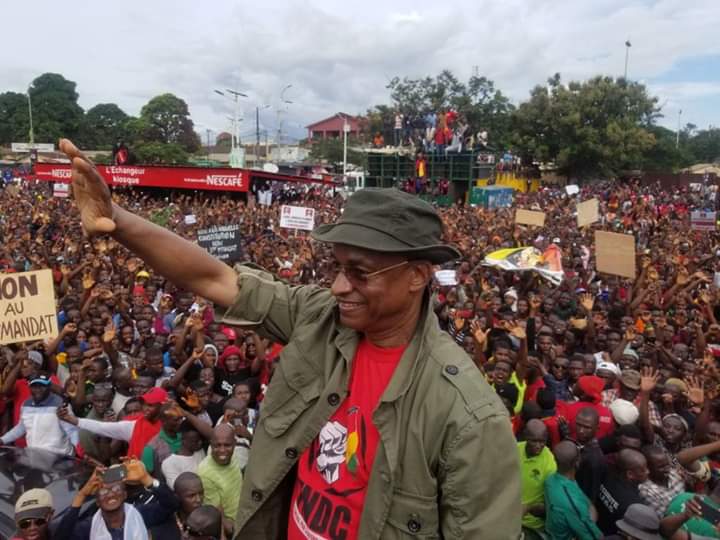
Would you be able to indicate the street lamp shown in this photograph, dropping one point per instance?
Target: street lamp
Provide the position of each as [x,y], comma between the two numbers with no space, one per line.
[677,135]
[279,111]
[257,131]
[627,56]
[235,97]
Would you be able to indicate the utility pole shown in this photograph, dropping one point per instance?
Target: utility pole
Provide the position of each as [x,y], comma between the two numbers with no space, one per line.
[257,134]
[346,130]
[207,133]
[32,133]
[677,135]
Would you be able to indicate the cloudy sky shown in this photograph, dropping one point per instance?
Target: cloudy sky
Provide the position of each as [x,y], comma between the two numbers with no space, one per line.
[338,56]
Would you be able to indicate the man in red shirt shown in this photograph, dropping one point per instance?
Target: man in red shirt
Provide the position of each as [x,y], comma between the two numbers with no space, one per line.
[137,429]
[589,391]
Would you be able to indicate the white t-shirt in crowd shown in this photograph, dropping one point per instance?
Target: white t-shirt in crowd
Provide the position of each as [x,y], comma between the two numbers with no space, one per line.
[176,464]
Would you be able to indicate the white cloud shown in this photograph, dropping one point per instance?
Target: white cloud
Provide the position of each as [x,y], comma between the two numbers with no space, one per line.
[340,56]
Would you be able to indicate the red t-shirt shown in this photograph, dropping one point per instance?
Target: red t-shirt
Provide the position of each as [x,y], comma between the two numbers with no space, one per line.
[570,410]
[334,471]
[143,431]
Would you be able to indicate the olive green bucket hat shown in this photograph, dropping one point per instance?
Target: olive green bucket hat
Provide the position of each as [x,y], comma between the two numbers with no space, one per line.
[389,221]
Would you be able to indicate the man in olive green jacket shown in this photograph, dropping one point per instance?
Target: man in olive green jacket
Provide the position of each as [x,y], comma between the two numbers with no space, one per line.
[375,424]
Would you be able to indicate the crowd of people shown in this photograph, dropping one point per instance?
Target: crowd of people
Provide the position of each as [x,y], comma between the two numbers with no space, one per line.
[436,132]
[611,384]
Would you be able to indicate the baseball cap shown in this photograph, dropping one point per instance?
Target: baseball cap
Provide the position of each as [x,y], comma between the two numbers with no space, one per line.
[142,274]
[624,412]
[155,396]
[34,503]
[608,366]
[36,357]
[630,378]
[41,379]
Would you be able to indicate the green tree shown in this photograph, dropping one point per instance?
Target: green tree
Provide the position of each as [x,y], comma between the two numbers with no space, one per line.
[478,101]
[598,127]
[15,123]
[103,126]
[56,112]
[168,121]
[331,150]
[704,145]
[665,155]
[156,153]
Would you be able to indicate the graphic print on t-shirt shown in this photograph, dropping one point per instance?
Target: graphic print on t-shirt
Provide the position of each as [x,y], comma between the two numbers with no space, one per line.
[334,471]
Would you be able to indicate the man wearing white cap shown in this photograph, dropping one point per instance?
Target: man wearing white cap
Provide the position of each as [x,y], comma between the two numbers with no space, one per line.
[33,511]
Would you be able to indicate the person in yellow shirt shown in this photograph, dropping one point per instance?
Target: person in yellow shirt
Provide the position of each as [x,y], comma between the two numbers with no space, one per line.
[536,464]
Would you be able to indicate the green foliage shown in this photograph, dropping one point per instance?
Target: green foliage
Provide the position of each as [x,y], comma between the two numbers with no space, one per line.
[331,150]
[15,123]
[484,106]
[154,153]
[167,120]
[103,126]
[594,128]
[704,146]
[56,112]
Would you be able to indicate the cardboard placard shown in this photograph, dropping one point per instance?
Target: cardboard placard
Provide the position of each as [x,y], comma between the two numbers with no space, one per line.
[615,254]
[190,219]
[222,242]
[27,307]
[587,212]
[703,221]
[297,217]
[529,217]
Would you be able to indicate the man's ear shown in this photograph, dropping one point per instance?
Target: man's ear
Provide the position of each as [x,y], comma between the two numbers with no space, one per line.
[421,275]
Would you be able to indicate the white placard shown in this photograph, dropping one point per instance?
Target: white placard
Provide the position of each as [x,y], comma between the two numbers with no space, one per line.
[702,221]
[446,278]
[572,189]
[26,147]
[190,219]
[61,190]
[297,217]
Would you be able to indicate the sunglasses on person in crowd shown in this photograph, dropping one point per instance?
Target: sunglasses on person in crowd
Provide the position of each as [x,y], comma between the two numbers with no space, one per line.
[29,522]
[559,366]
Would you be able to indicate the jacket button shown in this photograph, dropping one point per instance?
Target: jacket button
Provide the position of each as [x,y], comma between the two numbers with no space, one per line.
[256,495]
[291,453]
[413,526]
[452,370]
[333,399]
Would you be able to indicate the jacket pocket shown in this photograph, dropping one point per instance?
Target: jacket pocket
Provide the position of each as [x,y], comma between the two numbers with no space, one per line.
[413,516]
[284,403]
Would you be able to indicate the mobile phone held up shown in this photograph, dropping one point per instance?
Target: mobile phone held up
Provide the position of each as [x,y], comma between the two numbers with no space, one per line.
[114,474]
[710,513]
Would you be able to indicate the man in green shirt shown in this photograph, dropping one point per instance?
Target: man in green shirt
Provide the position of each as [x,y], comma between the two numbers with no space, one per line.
[536,464]
[696,525]
[221,474]
[568,510]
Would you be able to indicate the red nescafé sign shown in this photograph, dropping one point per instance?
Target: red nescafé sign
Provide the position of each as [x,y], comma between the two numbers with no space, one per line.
[151,176]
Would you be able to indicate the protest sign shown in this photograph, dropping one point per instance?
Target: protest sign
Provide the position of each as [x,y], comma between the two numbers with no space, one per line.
[572,189]
[702,221]
[297,217]
[615,254]
[27,307]
[529,217]
[446,278]
[222,242]
[587,212]
[190,219]
[61,190]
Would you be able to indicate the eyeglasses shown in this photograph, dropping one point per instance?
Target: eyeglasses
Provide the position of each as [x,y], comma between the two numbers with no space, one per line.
[559,366]
[27,523]
[360,277]
[115,489]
